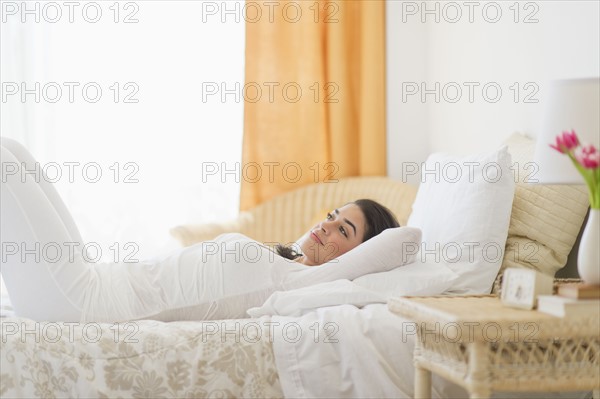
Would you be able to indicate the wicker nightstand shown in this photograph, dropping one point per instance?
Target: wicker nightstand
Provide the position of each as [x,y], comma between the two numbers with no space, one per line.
[478,343]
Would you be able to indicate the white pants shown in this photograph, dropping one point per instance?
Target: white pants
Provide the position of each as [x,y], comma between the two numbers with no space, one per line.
[32,213]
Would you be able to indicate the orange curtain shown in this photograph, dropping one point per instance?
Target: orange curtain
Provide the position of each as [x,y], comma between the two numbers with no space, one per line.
[314,96]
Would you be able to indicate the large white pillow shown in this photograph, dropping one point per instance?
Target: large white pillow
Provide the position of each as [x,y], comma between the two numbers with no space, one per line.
[463,209]
[302,300]
[414,279]
[419,279]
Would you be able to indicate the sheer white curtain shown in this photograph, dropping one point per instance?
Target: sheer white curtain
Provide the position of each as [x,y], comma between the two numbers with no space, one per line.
[149,124]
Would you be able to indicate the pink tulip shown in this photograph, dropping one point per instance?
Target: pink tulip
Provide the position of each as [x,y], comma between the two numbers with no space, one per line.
[588,156]
[566,142]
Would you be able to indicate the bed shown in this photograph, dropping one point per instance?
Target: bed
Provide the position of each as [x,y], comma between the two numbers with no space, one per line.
[335,340]
[338,351]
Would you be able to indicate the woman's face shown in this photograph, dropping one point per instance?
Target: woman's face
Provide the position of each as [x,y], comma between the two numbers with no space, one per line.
[340,231]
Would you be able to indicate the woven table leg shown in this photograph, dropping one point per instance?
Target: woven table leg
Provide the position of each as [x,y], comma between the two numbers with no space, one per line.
[422,383]
[478,383]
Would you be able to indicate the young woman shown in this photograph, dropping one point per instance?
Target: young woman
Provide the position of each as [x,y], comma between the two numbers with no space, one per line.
[48,278]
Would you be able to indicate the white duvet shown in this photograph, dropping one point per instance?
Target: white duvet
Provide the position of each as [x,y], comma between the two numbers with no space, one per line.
[348,352]
[370,356]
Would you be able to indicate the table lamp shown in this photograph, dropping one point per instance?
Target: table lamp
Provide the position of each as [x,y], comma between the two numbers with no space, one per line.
[572,105]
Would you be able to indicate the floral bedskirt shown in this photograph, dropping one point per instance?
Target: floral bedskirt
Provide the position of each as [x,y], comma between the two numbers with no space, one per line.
[140,359]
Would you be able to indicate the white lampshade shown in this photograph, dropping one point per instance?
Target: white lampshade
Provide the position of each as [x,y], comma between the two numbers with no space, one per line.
[568,104]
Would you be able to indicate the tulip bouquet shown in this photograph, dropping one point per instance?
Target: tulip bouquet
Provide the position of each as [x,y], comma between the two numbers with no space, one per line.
[586,159]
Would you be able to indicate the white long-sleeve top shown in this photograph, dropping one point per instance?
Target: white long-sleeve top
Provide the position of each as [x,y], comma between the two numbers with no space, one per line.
[222,278]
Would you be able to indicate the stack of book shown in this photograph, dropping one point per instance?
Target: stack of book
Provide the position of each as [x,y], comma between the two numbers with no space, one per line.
[572,300]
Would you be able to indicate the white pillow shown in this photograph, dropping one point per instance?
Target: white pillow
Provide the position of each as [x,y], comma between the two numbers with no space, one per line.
[463,208]
[418,278]
[415,279]
[299,301]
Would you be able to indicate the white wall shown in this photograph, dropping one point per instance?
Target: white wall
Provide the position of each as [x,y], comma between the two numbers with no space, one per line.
[563,43]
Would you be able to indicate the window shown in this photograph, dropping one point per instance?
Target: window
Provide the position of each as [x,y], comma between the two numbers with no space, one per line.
[127,90]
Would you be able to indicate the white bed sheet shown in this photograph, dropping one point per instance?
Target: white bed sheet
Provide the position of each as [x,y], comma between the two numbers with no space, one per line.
[369,359]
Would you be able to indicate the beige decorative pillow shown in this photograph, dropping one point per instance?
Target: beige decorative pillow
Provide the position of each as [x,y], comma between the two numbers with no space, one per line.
[545,219]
